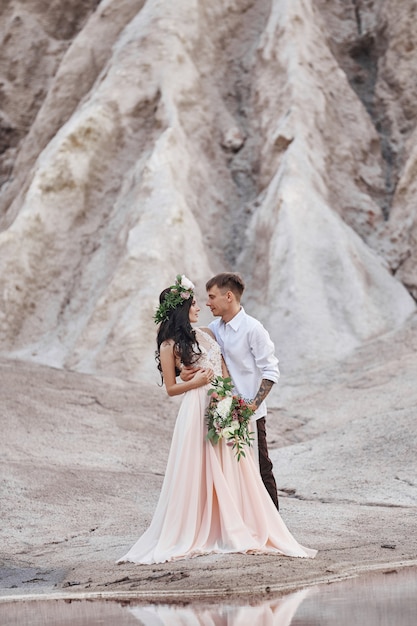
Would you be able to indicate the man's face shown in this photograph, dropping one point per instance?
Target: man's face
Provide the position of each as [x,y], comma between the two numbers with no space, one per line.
[218,302]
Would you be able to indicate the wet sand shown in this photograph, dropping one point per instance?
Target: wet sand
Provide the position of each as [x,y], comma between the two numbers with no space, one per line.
[82,461]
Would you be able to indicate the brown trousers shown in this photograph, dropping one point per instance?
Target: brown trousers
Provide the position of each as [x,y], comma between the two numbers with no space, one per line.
[265,462]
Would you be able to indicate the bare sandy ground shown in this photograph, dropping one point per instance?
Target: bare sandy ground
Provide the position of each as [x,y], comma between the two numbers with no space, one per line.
[82,461]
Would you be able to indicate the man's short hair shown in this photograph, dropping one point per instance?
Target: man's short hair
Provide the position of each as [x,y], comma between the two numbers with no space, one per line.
[227,281]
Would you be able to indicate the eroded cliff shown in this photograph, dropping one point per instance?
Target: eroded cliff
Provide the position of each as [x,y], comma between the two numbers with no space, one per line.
[142,139]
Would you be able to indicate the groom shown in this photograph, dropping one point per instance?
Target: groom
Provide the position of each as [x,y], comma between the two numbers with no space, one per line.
[249,355]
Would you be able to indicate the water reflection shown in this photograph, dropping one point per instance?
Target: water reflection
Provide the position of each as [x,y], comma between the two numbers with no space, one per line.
[279,612]
[380,600]
[388,599]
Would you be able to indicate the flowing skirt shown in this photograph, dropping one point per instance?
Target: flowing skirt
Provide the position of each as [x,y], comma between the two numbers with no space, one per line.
[210,502]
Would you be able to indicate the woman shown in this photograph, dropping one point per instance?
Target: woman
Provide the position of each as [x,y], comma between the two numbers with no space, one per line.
[209,501]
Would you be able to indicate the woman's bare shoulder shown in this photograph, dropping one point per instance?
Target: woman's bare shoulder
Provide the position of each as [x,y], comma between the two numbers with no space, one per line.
[207,331]
[167,345]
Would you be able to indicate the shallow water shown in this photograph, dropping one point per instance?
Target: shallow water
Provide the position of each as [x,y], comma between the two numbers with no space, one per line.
[381,600]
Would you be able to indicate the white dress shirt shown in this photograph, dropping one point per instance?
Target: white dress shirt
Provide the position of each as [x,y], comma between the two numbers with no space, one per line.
[249,354]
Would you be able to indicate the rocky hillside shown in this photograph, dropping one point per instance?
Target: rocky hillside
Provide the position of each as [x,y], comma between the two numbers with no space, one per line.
[144,138]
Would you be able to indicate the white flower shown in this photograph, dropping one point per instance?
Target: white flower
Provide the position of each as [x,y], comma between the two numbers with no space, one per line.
[186,283]
[223,408]
[227,432]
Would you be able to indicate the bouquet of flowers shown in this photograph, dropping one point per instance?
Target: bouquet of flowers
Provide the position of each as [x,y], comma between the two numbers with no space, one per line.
[228,416]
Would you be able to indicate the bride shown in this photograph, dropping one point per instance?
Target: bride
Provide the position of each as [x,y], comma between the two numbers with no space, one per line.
[209,501]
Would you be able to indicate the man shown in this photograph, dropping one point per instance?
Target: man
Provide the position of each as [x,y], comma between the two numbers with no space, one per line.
[249,355]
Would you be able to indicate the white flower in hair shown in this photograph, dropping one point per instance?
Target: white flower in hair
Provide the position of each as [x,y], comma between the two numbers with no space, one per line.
[186,283]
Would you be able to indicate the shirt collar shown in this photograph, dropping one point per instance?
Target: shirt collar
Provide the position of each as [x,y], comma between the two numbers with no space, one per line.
[237,320]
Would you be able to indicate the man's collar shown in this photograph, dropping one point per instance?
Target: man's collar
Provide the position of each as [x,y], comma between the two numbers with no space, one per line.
[236,321]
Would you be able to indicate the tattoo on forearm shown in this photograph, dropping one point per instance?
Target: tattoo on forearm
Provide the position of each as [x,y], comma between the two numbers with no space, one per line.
[264,389]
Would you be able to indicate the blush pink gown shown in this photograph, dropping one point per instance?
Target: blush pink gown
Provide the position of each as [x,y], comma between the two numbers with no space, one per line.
[210,502]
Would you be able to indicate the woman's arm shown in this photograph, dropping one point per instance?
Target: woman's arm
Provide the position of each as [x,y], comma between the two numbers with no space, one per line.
[167,357]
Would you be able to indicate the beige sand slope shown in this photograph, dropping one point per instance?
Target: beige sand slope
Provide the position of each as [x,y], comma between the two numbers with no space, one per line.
[82,459]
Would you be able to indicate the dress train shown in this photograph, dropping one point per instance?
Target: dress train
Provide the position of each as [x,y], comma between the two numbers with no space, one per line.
[209,501]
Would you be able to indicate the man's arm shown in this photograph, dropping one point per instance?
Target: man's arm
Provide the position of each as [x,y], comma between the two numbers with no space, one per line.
[187,373]
[263,351]
[264,389]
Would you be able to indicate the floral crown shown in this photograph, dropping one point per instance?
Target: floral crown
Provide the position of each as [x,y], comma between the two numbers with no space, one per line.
[178,293]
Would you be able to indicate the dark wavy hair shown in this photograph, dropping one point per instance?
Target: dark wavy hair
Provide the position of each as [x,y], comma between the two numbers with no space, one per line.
[178,328]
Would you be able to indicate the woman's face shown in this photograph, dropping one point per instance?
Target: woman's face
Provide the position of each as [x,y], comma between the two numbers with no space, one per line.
[194,311]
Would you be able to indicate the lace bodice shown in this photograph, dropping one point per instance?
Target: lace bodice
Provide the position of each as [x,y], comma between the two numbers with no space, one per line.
[210,352]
